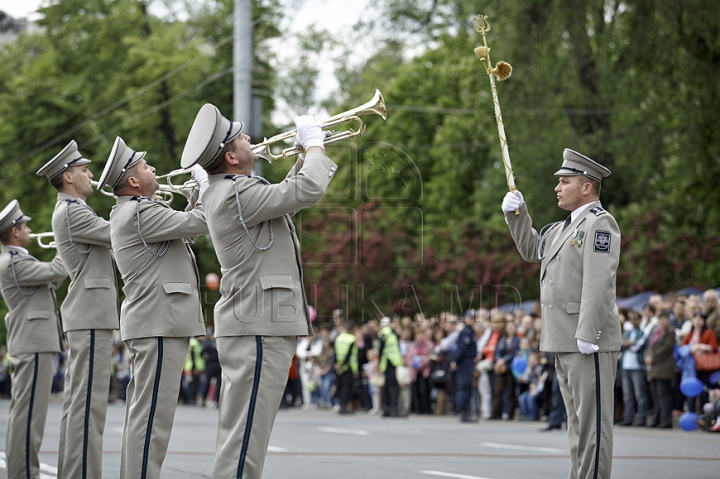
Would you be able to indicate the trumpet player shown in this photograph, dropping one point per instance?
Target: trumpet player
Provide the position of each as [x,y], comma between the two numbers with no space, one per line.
[263,307]
[33,337]
[89,312]
[161,309]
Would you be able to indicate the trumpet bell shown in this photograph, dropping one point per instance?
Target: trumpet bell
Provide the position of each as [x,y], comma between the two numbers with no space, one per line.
[375,106]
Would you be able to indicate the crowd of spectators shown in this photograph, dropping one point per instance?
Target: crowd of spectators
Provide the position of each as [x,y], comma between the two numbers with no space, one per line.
[650,370]
[417,365]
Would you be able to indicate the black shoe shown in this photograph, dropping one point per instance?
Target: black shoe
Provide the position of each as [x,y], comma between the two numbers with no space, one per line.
[550,427]
[625,424]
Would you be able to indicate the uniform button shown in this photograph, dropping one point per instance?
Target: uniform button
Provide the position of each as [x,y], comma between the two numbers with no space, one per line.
[551,283]
[542,306]
[550,306]
[542,282]
[558,258]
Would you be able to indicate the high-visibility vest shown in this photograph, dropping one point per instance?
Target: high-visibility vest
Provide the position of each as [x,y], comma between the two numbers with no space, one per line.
[344,345]
[390,350]
[194,356]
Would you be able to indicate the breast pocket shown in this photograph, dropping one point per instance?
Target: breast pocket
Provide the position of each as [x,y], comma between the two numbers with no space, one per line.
[35,315]
[97,283]
[280,294]
[177,288]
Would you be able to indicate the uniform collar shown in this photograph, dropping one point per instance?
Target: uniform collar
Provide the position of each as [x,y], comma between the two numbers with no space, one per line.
[579,210]
[19,249]
[68,197]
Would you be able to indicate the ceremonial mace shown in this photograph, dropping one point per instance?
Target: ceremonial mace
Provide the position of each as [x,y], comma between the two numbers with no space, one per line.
[502,71]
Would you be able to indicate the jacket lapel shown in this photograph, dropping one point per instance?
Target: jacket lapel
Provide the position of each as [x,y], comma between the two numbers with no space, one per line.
[564,236]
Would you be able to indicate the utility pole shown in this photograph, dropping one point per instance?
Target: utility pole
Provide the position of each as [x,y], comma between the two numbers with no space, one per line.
[242,69]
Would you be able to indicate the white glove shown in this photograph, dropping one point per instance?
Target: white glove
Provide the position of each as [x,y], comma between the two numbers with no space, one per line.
[586,347]
[512,201]
[198,173]
[309,132]
[297,143]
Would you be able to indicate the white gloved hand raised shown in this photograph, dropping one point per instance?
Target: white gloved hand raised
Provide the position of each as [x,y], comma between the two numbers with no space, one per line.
[198,173]
[309,132]
[512,201]
[326,133]
[586,347]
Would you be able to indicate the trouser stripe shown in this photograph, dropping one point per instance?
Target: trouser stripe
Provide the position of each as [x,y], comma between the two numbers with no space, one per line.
[251,407]
[153,405]
[88,403]
[598,416]
[29,421]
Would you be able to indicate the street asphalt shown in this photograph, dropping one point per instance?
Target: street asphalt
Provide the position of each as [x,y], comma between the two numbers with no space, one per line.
[312,444]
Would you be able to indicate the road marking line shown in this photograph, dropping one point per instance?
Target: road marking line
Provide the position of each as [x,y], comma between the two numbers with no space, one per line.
[521,448]
[276,449]
[337,430]
[450,474]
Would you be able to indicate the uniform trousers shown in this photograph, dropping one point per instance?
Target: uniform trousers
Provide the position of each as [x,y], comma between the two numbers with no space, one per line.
[587,385]
[152,395]
[31,385]
[254,374]
[87,380]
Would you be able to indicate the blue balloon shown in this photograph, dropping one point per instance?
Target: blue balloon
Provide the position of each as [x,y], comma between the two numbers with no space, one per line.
[691,387]
[688,421]
[519,364]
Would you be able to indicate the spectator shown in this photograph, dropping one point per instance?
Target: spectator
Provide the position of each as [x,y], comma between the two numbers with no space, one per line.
[325,362]
[418,356]
[4,373]
[506,351]
[534,377]
[193,373]
[487,345]
[712,312]
[121,364]
[375,380]
[403,371]
[212,370]
[661,370]
[634,382]
[439,375]
[702,340]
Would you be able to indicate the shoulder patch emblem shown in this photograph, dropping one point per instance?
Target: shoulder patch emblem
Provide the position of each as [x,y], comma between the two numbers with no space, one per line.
[597,211]
[602,242]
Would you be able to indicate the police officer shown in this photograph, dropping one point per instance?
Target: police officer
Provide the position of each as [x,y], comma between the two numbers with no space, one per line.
[33,336]
[263,305]
[161,309]
[346,366]
[89,312]
[463,364]
[388,362]
[579,317]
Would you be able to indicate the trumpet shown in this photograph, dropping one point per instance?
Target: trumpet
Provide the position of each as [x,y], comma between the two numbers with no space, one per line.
[102,191]
[39,237]
[166,192]
[376,106]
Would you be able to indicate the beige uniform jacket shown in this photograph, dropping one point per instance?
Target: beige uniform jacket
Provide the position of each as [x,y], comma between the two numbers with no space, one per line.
[84,246]
[262,291]
[32,321]
[162,294]
[577,281]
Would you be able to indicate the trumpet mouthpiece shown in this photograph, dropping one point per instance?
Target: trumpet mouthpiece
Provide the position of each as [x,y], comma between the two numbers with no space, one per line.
[502,70]
[482,52]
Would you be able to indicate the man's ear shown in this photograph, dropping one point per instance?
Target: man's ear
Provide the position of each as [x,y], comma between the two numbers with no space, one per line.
[231,158]
[67,177]
[133,182]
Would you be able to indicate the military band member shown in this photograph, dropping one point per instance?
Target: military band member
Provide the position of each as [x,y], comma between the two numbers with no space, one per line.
[579,316]
[161,309]
[263,306]
[33,338]
[89,312]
